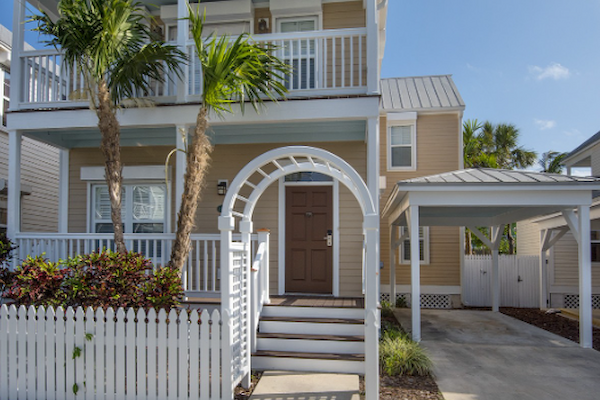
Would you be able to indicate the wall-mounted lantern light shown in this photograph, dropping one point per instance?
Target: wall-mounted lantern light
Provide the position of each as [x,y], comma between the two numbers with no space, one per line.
[222,187]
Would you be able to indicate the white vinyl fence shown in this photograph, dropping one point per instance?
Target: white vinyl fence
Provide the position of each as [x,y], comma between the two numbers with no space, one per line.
[126,355]
[519,281]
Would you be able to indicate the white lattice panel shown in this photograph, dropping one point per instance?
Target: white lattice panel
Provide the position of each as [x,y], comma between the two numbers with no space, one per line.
[427,300]
[572,301]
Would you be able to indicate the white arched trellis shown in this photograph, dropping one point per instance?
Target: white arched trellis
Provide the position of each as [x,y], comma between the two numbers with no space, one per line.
[235,289]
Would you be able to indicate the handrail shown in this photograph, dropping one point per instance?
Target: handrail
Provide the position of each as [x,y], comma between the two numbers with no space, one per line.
[258,259]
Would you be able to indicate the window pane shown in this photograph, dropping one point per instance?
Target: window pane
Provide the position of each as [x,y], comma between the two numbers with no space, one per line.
[298,26]
[406,252]
[401,157]
[147,228]
[595,235]
[149,202]
[400,135]
[102,203]
[595,252]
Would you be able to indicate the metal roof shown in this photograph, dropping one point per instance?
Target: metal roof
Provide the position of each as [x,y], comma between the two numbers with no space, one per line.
[420,93]
[491,176]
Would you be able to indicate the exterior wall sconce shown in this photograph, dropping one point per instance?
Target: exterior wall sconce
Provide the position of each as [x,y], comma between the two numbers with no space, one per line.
[222,187]
[263,25]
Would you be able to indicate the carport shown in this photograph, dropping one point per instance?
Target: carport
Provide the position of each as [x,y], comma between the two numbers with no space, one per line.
[492,198]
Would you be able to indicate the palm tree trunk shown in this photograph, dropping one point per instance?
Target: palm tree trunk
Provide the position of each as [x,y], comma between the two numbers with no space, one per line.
[111,148]
[468,242]
[198,160]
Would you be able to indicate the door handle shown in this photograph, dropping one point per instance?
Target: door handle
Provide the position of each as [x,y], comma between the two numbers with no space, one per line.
[329,238]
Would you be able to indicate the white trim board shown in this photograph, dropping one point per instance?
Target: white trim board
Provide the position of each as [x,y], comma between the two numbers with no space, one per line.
[156,172]
[425,289]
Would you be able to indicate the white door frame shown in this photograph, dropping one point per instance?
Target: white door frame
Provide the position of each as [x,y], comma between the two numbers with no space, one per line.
[335,290]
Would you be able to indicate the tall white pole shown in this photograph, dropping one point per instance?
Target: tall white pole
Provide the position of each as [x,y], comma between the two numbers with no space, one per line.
[585,278]
[63,191]
[371,229]
[14,184]
[415,272]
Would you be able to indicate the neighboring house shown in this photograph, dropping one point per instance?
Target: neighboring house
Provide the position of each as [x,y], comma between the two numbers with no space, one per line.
[39,163]
[562,258]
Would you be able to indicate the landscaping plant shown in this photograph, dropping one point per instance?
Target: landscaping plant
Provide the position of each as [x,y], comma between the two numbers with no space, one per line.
[399,355]
[101,279]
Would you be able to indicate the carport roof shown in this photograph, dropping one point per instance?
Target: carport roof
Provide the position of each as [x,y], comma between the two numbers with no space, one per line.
[486,197]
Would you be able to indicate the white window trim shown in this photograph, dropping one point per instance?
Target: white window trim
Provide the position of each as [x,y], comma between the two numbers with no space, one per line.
[127,219]
[298,18]
[402,119]
[426,254]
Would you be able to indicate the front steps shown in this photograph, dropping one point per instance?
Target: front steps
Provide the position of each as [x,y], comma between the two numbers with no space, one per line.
[312,339]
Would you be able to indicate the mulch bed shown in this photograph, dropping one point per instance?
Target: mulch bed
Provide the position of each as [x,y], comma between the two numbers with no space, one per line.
[244,394]
[555,323]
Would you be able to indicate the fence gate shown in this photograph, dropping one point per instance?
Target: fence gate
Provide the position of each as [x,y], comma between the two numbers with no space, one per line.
[519,281]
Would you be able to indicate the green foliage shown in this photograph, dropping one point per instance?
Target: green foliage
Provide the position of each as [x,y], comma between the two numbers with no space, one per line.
[401,302]
[7,247]
[236,70]
[110,40]
[399,355]
[386,309]
[102,279]
[551,162]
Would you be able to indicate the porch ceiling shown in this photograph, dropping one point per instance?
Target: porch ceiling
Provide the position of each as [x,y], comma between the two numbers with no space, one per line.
[324,131]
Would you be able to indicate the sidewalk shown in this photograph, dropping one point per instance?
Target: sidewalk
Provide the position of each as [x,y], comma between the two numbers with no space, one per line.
[282,385]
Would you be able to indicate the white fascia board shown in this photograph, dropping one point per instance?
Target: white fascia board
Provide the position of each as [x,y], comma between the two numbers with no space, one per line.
[508,198]
[557,220]
[425,289]
[284,111]
[401,116]
[281,8]
[154,172]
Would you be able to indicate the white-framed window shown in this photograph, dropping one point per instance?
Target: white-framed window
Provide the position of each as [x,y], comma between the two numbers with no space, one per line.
[300,54]
[595,242]
[5,94]
[402,146]
[143,208]
[404,250]
[3,213]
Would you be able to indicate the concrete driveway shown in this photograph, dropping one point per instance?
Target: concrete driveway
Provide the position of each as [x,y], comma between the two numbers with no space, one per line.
[484,355]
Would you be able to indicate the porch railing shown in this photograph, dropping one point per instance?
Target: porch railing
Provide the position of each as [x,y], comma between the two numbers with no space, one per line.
[200,276]
[323,62]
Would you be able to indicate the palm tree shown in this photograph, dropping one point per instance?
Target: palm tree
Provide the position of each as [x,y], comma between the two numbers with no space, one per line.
[473,154]
[501,141]
[551,162]
[109,42]
[231,72]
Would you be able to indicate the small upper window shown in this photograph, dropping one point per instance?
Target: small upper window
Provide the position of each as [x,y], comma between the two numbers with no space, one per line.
[595,241]
[401,147]
[423,246]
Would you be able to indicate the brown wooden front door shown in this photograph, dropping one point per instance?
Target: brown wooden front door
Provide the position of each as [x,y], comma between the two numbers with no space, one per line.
[308,257]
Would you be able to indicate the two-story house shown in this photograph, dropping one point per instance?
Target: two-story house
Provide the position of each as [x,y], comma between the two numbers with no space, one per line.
[39,163]
[561,289]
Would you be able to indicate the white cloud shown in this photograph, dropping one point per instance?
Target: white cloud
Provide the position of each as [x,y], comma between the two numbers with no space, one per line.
[544,124]
[553,71]
[574,133]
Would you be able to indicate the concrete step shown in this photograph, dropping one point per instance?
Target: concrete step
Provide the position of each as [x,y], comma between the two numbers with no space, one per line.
[308,362]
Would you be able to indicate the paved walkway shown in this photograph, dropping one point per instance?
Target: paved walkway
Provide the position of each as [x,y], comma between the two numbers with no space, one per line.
[483,355]
[281,385]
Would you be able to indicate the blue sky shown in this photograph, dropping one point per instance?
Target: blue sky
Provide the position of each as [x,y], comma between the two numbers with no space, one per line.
[533,63]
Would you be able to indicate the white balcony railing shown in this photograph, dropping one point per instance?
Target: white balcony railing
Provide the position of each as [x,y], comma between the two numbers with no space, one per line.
[323,62]
[201,274]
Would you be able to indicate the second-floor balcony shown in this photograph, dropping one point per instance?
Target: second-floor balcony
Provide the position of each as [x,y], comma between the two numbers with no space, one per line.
[324,63]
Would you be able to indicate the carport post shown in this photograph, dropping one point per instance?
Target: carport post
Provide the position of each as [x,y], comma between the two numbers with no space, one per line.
[415,273]
[545,234]
[393,231]
[495,236]
[585,277]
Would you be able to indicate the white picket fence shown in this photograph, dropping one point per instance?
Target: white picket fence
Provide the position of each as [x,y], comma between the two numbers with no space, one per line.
[127,355]
[519,281]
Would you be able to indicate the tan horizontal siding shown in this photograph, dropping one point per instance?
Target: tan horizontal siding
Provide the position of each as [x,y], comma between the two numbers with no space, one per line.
[528,238]
[350,14]
[92,157]
[566,267]
[596,161]
[437,152]
[39,170]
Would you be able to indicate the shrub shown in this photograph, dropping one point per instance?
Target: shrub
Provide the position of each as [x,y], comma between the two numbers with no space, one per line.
[6,249]
[401,302]
[103,279]
[386,309]
[399,355]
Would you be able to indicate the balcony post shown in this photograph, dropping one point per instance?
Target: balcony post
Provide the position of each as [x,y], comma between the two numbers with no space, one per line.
[372,47]
[63,191]
[263,237]
[182,38]
[18,38]
[13,222]
[373,159]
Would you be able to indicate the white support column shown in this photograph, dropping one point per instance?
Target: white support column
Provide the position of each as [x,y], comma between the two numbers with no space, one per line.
[393,234]
[585,278]
[18,35]
[371,229]
[495,236]
[182,37]
[14,184]
[180,165]
[373,159]
[264,237]
[226,226]
[544,238]
[63,191]
[415,272]
[246,231]
[372,47]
